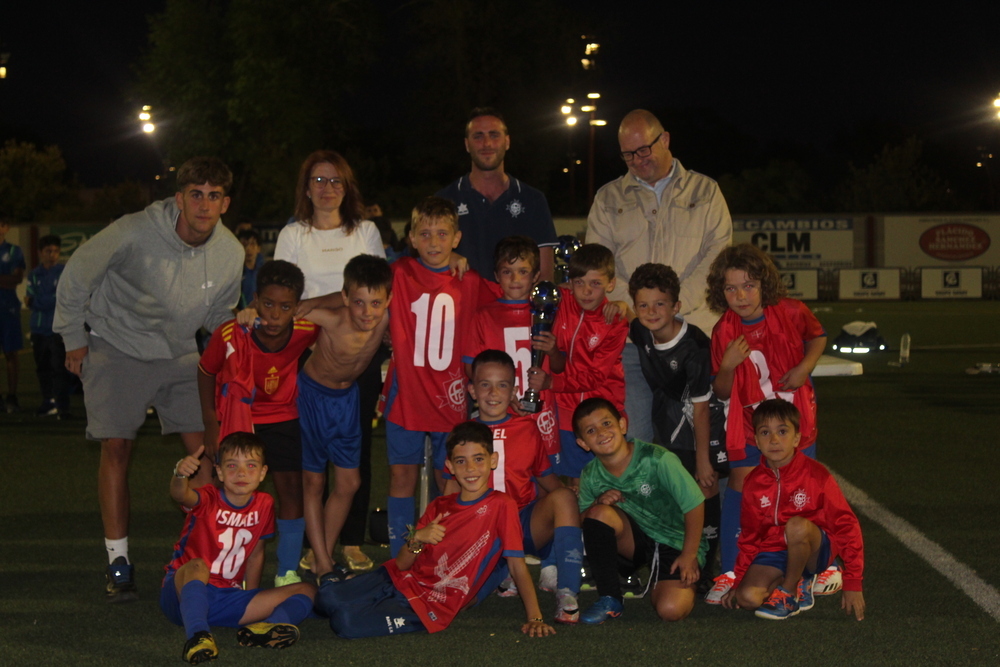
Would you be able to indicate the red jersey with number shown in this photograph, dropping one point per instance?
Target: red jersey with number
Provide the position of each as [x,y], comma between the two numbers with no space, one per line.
[777,344]
[430,315]
[234,349]
[521,458]
[506,325]
[445,576]
[223,535]
[593,350]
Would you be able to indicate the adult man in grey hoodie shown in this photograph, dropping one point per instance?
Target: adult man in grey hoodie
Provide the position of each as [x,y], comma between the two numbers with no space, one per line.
[128,307]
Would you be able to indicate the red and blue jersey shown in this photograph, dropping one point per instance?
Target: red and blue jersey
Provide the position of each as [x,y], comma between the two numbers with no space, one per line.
[223,535]
[446,576]
[431,314]
[521,458]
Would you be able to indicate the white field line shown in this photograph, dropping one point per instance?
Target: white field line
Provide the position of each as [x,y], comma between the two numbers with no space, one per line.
[957,573]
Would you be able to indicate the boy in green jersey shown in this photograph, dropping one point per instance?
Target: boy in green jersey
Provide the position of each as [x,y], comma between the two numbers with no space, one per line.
[638,502]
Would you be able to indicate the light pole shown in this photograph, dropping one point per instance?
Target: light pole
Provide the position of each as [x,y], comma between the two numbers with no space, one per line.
[589,107]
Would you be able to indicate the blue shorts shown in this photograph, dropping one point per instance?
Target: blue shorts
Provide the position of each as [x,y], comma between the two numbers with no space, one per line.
[529,544]
[226,606]
[753,457]
[367,606]
[573,457]
[779,559]
[331,425]
[11,338]
[407,447]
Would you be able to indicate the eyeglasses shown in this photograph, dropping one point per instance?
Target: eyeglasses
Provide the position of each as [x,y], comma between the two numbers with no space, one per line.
[335,182]
[641,151]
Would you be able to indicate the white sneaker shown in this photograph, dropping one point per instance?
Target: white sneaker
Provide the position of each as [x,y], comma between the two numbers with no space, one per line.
[829,581]
[507,589]
[548,579]
[567,608]
[723,583]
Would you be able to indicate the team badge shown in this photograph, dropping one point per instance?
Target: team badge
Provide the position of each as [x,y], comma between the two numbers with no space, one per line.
[546,421]
[454,393]
[765,501]
[463,209]
[594,340]
[645,489]
[515,208]
[673,364]
[800,498]
[271,381]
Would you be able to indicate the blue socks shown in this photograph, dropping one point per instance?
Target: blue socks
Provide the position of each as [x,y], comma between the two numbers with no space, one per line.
[401,511]
[730,529]
[567,547]
[293,610]
[289,550]
[194,607]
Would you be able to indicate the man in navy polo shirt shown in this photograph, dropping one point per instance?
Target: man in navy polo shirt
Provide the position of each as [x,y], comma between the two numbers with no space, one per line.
[493,205]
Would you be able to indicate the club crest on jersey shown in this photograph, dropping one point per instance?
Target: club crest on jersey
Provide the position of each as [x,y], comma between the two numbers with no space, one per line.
[594,340]
[645,489]
[454,393]
[515,208]
[463,209]
[673,364]
[271,381]
[482,510]
[765,501]
[546,422]
[800,498]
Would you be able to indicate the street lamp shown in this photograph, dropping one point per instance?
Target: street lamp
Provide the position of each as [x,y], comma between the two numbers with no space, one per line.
[146,116]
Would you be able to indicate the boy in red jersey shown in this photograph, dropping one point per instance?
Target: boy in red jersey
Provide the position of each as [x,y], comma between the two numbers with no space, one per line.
[585,351]
[451,553]
[794,521]
[551,524]
[505,324]
[431,313]
[261,366]
[220,549]
[765,346]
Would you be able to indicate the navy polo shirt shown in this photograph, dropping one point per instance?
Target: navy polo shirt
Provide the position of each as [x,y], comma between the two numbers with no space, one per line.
[521,210]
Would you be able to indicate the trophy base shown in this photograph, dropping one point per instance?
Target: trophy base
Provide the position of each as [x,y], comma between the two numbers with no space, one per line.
[532,406]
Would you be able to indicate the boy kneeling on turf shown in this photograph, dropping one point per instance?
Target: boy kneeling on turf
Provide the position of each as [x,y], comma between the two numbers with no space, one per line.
[220,547]
[793,522]
[445,561]
[640,503]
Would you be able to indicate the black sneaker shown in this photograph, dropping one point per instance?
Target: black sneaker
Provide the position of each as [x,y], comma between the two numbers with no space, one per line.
[121,582]
[267,635]
[200,648]
[11,404]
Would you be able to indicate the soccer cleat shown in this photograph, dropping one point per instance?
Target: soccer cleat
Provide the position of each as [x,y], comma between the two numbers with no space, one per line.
[121,581]
[531,559]
[587,582]
[779,606]
[605,608]
[200,648]
[361,563]
[507,588]
[306,562]
[632,586]
[805,593]
[567,608]
[548,579]
[267,635]
[828,582]
[290,577]
[723,583]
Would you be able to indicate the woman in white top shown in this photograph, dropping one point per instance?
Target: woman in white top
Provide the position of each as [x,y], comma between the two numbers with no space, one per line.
[329,229]
[328,232]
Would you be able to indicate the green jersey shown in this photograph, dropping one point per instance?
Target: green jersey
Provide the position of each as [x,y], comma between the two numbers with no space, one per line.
[657,492]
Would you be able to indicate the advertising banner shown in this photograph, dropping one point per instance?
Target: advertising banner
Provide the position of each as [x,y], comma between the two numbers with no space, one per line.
[942,240]
[802,284]
[800,243]
[951,282]
[869,284]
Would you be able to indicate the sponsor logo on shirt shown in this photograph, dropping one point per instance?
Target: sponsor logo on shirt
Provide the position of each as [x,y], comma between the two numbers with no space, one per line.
[765,501]
[463,209]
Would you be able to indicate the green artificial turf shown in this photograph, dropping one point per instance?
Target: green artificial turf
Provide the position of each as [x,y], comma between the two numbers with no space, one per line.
[920,440]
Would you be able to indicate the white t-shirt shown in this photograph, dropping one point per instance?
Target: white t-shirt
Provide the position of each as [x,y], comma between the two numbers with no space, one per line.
[322,254]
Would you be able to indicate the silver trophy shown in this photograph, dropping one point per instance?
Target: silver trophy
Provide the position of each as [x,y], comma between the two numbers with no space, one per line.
[568,245]
[545,298]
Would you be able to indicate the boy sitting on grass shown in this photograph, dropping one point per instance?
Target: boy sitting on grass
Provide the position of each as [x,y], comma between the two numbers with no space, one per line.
[220,549]
[638,502]
[794,520]
[445,561]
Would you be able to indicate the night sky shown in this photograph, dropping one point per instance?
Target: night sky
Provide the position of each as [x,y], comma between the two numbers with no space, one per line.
[794,73]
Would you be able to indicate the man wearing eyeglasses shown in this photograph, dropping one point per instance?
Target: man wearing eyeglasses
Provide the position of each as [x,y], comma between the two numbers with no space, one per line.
[658,212]
[493,205]
[128,306]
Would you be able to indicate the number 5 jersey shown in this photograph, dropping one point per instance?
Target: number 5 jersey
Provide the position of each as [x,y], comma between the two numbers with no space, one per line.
[223,535]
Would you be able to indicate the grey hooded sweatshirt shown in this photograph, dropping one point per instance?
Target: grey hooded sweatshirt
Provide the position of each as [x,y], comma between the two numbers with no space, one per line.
[145,291]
